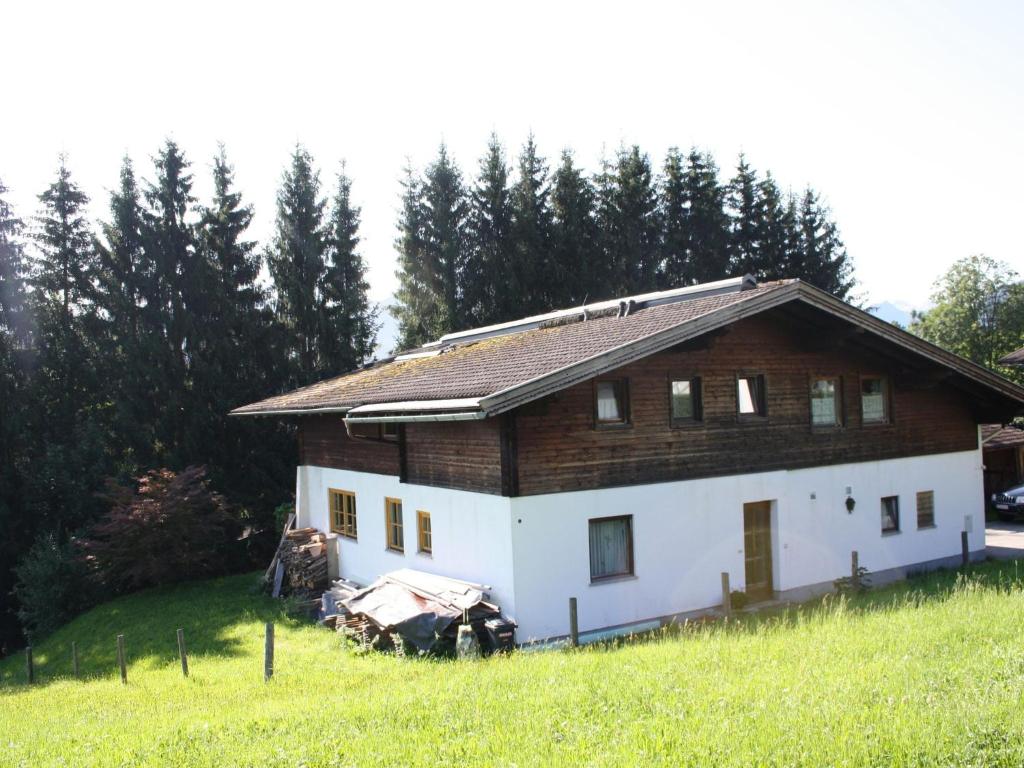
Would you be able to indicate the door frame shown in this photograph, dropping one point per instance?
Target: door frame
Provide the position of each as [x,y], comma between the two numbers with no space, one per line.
[766,590]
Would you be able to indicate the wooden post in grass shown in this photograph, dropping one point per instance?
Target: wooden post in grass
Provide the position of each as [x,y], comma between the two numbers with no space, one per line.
[268,653]
[965,553]
[120,660]
[30,671]
[574,624]
[74,658]
[182,653]
[855,571]
[726,594]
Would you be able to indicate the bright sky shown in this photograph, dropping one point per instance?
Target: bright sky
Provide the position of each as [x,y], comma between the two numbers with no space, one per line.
[908,116]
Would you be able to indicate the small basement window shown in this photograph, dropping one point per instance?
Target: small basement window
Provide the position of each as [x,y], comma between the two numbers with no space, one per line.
[825,402]
[750,396]
[926,509]
[343,512]
[611,547]
[874,400]
[393,523]
[423,535]
[685,401]
[891,514]
[611,402]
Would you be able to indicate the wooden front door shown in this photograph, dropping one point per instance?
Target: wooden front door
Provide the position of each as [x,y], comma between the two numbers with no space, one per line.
[757,547]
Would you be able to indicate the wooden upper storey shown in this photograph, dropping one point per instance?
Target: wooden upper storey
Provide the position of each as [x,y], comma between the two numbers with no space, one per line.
[557,444]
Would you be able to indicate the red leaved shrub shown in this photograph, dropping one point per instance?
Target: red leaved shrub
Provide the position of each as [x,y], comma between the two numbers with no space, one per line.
[170,528]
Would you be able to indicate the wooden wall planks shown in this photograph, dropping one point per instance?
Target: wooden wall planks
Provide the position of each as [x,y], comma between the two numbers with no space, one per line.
[559,449]
[556,447]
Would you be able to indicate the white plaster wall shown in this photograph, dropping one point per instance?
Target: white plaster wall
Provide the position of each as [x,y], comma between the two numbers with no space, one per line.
[471,538]
[686,533]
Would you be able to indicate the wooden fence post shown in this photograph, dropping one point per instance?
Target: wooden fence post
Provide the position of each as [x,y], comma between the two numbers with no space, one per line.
[574,624]
[268,653]
[121,661]
[965,553]
[74,658]
[182,653]
[30,672]
[855,571]
[726,594]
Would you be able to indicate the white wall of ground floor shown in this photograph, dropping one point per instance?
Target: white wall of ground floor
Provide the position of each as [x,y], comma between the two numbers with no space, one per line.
[687,533]
[471,537]
[534,551]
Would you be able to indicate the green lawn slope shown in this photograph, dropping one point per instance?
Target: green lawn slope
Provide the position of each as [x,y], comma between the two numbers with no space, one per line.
[926,673]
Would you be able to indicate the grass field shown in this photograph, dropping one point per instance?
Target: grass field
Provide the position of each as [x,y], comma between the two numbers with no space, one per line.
[926,673]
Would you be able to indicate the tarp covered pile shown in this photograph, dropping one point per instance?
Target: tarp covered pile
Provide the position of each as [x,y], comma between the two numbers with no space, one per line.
[419,607]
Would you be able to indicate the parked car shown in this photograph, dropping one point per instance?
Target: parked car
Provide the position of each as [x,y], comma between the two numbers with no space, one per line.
[1009,504]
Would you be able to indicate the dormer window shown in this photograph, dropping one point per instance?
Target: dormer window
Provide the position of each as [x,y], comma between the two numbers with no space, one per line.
[611,402]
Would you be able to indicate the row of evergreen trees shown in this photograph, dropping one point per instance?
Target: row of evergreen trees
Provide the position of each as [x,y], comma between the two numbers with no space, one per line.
[513,242]
[123,346]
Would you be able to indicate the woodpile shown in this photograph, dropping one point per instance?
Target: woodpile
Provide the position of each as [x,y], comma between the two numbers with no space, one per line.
[301,562]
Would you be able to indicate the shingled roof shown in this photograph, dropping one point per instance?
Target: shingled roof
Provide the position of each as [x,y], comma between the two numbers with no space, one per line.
[487,371]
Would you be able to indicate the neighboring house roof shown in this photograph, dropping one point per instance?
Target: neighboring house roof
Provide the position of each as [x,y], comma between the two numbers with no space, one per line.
[1014,358]
[483,372]
[996,436]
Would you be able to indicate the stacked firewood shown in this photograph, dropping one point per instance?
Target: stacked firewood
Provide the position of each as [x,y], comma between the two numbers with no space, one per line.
[303,554]
[364,631]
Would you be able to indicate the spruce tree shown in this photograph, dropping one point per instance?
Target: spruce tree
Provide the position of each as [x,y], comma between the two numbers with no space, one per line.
[349,320]
[778,236]
[823,260]
[530,289]
[674,208]
[488,275]
[629,222]
[16,355]
[176,298]
[71,459]
[62,284]
[415,299]
[229,344]
[15,321]
[706,222]
[123,281]
[445,241]
[577,273]
[433,246]
[746,215]
[240,359]
[297,266]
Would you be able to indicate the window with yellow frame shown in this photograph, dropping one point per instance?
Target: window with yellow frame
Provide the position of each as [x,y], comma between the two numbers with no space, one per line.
[423,535]
[343,512]
[393,523]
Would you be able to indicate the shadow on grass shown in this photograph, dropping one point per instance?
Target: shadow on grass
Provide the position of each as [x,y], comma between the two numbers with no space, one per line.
[208,611]
[218,614]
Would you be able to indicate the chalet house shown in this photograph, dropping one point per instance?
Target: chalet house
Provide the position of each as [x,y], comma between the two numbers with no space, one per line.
[627,453]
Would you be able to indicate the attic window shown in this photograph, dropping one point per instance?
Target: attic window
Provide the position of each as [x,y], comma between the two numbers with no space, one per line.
[685,400]
[750,396]
[874,400]
[825,402]
[611,402]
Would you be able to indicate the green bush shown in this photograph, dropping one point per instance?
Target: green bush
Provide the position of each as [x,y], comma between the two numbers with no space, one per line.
[52,587]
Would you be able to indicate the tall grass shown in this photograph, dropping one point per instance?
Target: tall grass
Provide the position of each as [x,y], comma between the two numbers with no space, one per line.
[930,672]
